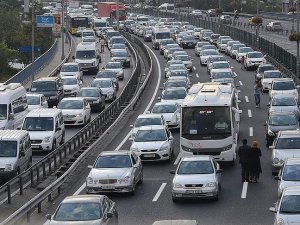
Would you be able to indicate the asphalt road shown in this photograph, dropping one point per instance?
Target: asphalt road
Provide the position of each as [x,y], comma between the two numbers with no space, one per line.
[152,200]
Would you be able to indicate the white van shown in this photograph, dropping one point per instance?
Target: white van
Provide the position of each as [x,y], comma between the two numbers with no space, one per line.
[88,56]
[13,106]
[15,151]
[46,129]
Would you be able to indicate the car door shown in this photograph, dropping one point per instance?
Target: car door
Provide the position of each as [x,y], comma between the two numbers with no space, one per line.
[136,168]
[58,130]
[87,108]
[217,167]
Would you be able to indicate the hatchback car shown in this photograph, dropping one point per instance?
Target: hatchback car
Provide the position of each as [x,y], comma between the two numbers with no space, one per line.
[187,61]
[153,143]
[196,177]
[71,85]
[253,60]
[170,112]
[35,101]
[283,103]
[205,54]
[173,95]
[85,209]
[119,55]
[115,171]
[268,77]
[284,86]
[94,96]
[107,87]
[117,67]
[75,110]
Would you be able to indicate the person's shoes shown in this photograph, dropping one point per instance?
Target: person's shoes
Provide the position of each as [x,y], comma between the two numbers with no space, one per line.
[256,106]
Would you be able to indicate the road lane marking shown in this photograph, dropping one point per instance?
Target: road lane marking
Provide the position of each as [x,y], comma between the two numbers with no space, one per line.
[246,98]
[244,190]
[160,190]
[82,187]
[251,131]
[177,159]
[249,113]
[194,68]
[197,75]
[241,83]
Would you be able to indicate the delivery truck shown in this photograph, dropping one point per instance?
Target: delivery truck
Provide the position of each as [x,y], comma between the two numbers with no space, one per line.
[109,9]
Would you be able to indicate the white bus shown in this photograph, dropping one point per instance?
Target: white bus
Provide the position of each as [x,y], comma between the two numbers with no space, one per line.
[167,7]
[210,121]
[159,33]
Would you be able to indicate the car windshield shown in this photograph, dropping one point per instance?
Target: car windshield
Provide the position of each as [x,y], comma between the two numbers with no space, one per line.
[210,52]
[291,173]
[172,94]
[150,135]
[290,204]
[33,100]
[118,46]
[177,83]
[200,44]
[168,41]
[119,54]
[101,83]
[272,74]
[113,161]
[284,101]
[106,74]
[284,86]
[221,75]
[38,124]
[162,35]
[113,66]
[237,46]
[70,81]
[117,40]
[288,143]
[88,40]
[282,120]
[43,86]
[172,62]
[164,109]
[78,211]
[3,111]
[225,41]
[245,50]
[183,57]
[147,121]
[188,38]
[88,93]
[208,47]
[178,73]
[215,36]
[197,29]
[86,54]
[220,65]
[70,104]
[255,55]
[217,59]
[177,67]
[195,167]
[265,68]
[8,148]
[69,68]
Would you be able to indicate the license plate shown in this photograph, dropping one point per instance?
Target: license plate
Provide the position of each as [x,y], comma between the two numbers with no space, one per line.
[149,155]
[193,191]
[108,187]
[35,146]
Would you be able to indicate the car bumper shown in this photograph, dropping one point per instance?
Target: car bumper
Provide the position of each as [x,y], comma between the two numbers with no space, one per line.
[42,147]
[194,193]
[74,121]
[112,189]
[154,156]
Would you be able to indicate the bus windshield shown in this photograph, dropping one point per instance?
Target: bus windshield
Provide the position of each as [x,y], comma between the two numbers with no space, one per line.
[163,35]
[206,122]
[79,22]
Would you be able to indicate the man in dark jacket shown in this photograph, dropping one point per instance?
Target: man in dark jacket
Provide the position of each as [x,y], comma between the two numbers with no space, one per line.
[243,153]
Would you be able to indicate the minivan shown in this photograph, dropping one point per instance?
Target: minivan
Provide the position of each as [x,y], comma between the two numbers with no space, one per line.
[15,151]
[46,129]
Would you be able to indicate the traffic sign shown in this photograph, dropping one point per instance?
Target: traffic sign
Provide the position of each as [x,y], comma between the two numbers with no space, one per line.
[44,21]
[27,49]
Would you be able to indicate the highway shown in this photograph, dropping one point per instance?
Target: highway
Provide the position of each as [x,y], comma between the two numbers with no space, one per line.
[243,204]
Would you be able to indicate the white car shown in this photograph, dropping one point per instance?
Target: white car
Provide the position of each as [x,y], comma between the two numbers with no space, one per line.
[36,101]
[222,66]
[198,47]
[71,69]
[170,113]
[117,68]
[241,52]
[187,61]
[107,87]
[287,207]
[268,77]
[168,47]
[254,59]
[146,120]
[115,171]
[153,143]
[197,13]
[174,95]
[289,175]
[196,177]
[75,110]
[284,103]
[223,44]
[284,86]
[229,46]
[234,50]
[205,54]
[71,85]
[197,32]
[172,62]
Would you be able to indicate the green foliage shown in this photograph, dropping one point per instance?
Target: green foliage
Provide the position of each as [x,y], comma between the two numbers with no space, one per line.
[257,20]
[294,37]
[6,55]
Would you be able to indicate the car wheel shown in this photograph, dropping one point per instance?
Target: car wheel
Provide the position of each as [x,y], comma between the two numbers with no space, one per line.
[54,145]
[141,178]
[174,199]
[62,139]
[133,188]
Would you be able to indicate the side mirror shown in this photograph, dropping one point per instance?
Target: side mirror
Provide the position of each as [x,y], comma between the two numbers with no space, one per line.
[219,171]
[109,215]
[272,209]
[277,178]
[73,57]
[171,138]
[131,126]
[90,166]
[48,216]
[172,171]
[58,128]
[11,116]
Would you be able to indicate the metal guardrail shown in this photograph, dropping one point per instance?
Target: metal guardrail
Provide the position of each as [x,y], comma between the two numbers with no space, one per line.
[123,102]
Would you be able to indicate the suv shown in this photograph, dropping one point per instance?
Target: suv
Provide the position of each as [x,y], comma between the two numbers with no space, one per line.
[274,26]
[254,59]
[50,87]
[284,86]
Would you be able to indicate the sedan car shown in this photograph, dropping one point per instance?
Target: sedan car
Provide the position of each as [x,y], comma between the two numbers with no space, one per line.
[222,66]
[170,112]
[71,69]
[71,85]
[196,177]
[205,54]
[284,86]
[118,46]
[109,74]
[233,52]
[274,26]
[119,55]
[279,121]
[268,77]
[187,61]
[163,43]
[242,51]
[174,95]
[117,67]
[172,62]
[85,209]
[281,103]
[94,96]
[178,73]
[253,60]
[220,75]
[264,67]
[115,171]
[153,143]
[75,110]
[212,59]
[177,82]
[197,32]
[107,86]
[198,47]
[223,44]
[35,101]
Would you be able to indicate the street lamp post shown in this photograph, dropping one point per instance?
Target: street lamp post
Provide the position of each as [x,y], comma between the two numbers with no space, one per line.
[118,16]
[257,25]
[32,37]
[62,30]
[298,61]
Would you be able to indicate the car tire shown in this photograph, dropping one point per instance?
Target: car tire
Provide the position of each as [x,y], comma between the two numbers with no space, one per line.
[174,199]
[141,178]
[132,192]
[62,139]
[54,145]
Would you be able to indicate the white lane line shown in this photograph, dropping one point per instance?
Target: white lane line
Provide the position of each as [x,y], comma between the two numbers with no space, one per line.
[160,190]
[244,190]
[194,68]
[246,98]
[177,159]
[147,108]
[241,83]
[251,131]
[249,113]
[197,75]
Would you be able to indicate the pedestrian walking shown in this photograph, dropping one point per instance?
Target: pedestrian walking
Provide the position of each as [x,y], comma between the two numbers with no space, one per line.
[243,153]
[242,62]
[257,91]
[254,162]
[102,44]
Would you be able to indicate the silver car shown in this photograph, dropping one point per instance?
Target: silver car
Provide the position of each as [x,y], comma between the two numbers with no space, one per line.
[170,112]
[172,62]
[107,87]
[117,67]
[94,96]
[187,61]
[196,177]
[85,209]
[283,103]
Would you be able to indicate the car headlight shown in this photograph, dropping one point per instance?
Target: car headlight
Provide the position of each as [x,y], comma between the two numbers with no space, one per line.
[135,149]
[93,63]
[280,221]
[47,139]
[8,167]
[211,184]
[124,180]
[79,115]
[120,72]
[228,147]
[89,180]
[53,97]
[176,185]
[270,133]
[164,147]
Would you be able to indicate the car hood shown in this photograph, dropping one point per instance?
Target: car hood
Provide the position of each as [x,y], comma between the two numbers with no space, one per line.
[106,90]
[194,178]
[175,101]
[148,145]
[7,160]
[284,184]
[40,135]
[284,109]
[283,154]
[32,107]
[221,70]
[278,128]
[85,60]
[66,112]
[69,73]
[267,80]
[110,173]
[92,222]
[290,219]
[255,59]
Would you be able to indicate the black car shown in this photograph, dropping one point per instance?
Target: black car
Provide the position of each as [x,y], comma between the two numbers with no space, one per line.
[187,42]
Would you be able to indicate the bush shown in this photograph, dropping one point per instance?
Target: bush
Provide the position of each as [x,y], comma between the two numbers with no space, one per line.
[256,20]
[294,37]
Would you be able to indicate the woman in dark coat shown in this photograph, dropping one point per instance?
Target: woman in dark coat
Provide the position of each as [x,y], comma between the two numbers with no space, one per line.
[254,162]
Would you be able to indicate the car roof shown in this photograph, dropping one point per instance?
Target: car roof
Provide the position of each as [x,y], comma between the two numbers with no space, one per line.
[281,113]
[165,103]
[289,133]
[196,158]
[270,71]
[152,127]
[34,94]
[295,190]
[83,198]
[88,88]
[46,79]
[73,98]
[71,63]
[284,79]
[97,79]
[149,116]
[119,152]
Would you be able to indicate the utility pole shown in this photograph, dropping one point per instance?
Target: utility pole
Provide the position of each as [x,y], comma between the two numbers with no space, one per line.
[118,15]
[257,7]
[62,30]
[67,28]
[298,60]
[220,4]
[32,38]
